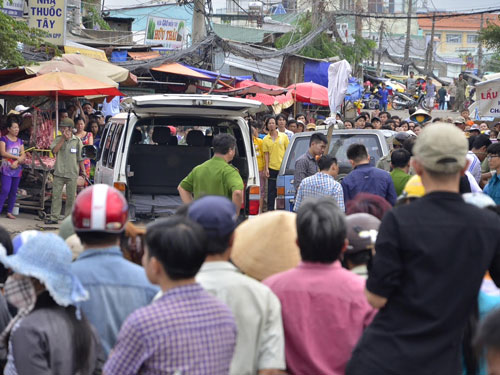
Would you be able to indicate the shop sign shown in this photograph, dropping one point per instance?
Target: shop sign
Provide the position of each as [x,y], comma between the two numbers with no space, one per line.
[170,33]
[49,16]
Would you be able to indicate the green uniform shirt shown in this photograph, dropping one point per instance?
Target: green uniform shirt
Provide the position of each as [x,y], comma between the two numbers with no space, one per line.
[68,157]
[384,163]
[213,177]
[400,178]
[485,166]
[461,87]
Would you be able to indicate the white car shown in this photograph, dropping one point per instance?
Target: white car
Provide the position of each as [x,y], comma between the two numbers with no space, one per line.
[147,151]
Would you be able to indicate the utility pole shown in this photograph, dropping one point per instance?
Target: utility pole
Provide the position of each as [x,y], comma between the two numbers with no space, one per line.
[406,60]
[480,51]
[358,33]
[379,54]
[431,45]
[317,13]
[358,27]
[199,29]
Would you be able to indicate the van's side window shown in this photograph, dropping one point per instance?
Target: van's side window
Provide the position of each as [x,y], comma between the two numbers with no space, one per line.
[107,144]
[103,139]
[114,148]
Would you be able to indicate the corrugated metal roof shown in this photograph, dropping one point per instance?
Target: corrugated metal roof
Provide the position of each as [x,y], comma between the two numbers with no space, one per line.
[267,67]
[239,34]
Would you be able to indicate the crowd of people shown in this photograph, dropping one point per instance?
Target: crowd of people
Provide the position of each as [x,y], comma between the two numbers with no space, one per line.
[356,288]
[358,280]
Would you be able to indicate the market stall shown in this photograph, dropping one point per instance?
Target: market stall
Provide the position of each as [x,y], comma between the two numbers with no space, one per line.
[40,162]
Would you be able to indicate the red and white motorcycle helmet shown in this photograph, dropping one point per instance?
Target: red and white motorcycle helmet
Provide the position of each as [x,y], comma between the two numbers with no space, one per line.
[100,208]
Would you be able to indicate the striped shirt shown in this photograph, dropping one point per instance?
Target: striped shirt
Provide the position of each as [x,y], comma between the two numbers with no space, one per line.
[474,166]
[319,185]
[187,331]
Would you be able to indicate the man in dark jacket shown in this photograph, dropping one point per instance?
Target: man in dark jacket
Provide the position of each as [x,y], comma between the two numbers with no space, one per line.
[366,178]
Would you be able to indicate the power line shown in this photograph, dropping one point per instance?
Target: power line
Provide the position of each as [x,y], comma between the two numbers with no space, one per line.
[438,15]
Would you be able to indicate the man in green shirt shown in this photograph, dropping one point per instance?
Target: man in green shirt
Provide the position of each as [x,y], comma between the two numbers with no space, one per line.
[215,176]
[400,161]
[461,88]
[68,150]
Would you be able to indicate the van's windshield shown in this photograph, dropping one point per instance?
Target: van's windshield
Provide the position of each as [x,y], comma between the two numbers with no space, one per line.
[338,148]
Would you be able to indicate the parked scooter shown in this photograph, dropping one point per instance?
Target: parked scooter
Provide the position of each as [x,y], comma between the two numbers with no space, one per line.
[402,100]
[369,100]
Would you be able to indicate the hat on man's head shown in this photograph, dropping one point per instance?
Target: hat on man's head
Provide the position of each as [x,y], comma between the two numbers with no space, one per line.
[266,244]
[362,231]
[420,116]
[479,199]
[459,120]
[47,258]
[441,148]
[21,108]
[66,122]
[217,215]
[311,126]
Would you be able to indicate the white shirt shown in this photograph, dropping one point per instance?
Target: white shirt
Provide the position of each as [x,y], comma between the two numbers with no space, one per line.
[474,166]
[288,133]
[257,311]
[474,186]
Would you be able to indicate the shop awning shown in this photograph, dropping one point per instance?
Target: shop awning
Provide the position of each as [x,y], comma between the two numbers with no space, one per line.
[73,47]
[144,55]
[223,77]
[175,68]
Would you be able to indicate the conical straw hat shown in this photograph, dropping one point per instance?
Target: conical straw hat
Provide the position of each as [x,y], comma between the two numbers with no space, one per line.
[266,245]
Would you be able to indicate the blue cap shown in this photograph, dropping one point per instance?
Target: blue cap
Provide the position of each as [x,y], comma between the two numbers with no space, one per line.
[217,215]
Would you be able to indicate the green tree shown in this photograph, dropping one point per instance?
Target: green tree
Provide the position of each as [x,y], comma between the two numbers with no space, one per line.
[13,32]
[490,36]
[324,46]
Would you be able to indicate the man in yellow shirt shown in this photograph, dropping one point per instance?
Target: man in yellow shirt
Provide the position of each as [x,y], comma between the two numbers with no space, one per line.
[274,146]
[261,163]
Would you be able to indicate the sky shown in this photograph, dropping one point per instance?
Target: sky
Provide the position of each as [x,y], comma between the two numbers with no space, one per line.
[461,5]
[451,5]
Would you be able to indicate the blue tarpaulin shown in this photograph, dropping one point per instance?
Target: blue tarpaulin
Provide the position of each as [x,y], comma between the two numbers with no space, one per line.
[354,90]
[280,9]
[119,56]
[317,72]
[215,75]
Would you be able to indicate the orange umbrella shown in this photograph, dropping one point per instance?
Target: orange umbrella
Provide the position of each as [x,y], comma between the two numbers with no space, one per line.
[309,92]
[176,68]
[59,83]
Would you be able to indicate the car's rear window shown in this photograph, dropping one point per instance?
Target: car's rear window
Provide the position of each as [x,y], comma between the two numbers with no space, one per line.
[338,148]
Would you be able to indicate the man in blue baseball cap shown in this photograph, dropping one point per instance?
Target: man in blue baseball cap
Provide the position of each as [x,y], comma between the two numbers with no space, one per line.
[260,343]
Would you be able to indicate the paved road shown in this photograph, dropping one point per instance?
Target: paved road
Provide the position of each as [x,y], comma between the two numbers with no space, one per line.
[26,221]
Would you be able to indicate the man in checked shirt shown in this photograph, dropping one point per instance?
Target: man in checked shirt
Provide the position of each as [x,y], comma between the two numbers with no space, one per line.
[322,184]
[187,330]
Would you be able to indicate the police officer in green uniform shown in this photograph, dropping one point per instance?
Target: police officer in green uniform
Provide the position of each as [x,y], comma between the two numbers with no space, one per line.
[385,161]
[215,176]
[68,150]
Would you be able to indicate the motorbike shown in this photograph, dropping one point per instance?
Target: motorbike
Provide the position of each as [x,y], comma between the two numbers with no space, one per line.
[402,100]
[369,100]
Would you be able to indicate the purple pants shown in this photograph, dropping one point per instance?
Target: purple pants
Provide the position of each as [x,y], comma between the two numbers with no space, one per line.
[9,188]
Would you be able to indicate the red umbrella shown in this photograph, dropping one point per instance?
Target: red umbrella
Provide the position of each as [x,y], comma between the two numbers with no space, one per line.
[309,92]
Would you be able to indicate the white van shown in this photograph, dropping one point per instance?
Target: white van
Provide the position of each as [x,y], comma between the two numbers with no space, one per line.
[147,151]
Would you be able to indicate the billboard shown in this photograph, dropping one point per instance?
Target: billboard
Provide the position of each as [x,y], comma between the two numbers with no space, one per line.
[170,33]
[488,97]
[14,9]
[49,16]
